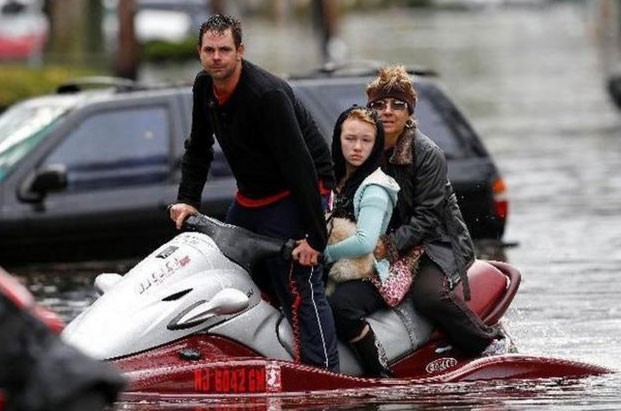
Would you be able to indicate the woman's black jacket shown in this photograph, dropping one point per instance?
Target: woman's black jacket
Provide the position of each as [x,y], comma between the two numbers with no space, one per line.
[427,211]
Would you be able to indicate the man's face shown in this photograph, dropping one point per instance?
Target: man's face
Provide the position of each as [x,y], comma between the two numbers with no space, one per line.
[218,54]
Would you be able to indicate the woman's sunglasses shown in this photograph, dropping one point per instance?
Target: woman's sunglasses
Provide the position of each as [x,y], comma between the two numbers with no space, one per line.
[381,105]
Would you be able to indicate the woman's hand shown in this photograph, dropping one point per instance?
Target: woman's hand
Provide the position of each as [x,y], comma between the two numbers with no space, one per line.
[179,212]
[380,250]
[304,254]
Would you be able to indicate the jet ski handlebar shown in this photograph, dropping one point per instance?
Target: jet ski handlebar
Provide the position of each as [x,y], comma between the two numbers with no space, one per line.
[239,244]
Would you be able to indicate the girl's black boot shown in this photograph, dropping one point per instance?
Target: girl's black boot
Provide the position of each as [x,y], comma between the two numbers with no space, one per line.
[372,355]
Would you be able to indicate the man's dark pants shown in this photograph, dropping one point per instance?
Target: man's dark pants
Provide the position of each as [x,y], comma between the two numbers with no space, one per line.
[309,315]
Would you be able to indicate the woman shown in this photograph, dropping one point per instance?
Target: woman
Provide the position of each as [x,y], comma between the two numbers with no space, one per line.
[427,214]
[366,195]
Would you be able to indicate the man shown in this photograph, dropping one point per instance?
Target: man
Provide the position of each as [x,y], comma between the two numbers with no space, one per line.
[279,160]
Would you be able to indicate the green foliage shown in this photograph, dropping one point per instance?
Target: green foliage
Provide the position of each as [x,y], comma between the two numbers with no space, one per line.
[20,81]
[160,51]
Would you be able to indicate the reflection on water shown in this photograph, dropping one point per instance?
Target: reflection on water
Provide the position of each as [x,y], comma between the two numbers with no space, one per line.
[485,396]
[532,82]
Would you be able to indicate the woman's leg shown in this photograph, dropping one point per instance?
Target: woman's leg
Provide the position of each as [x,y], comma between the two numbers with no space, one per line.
[351,302]
[433,299]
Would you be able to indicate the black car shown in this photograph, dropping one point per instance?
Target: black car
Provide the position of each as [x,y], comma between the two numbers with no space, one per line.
[87,173]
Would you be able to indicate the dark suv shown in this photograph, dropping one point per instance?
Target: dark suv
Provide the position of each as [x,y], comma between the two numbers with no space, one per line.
[87,173]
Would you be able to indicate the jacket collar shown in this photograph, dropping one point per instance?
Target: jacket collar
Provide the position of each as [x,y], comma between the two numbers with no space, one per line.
[403,154]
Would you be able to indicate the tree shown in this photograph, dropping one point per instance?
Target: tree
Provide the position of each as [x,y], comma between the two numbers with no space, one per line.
[75,30]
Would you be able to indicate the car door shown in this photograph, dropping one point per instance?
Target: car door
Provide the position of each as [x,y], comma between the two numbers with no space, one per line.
[118,168]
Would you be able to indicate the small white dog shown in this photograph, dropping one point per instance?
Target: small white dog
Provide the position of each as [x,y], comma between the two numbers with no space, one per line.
[347,268]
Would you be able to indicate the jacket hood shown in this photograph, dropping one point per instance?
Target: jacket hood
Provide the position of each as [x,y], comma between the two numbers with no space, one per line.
[366,168]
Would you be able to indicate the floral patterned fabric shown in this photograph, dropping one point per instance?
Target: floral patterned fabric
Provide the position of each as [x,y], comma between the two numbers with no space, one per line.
[400,277]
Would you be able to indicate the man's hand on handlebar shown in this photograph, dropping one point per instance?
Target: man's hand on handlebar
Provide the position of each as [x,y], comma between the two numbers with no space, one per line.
[304,254]
[179,212]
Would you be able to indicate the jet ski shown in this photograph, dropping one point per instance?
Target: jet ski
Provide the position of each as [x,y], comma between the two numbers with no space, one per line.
[189,320]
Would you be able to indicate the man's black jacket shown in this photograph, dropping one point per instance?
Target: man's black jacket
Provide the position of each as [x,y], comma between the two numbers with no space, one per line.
[269,139]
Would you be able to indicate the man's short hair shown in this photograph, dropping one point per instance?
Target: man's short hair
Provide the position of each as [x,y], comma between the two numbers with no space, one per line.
[220,23]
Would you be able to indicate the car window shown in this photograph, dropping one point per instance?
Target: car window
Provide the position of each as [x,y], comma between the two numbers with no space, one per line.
[327,100]
[21,129]
[115,149]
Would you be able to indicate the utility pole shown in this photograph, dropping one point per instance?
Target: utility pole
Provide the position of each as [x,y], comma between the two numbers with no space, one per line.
[128,51]
[325,16]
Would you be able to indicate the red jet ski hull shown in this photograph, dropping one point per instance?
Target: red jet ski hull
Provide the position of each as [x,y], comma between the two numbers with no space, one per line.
[215,366]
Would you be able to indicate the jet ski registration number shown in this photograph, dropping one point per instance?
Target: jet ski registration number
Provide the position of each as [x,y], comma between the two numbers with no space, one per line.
[242,379]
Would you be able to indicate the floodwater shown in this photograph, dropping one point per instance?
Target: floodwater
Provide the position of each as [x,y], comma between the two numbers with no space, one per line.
[532,81]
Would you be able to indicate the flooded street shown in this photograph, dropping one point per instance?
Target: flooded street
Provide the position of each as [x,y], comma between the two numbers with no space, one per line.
[532,82]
